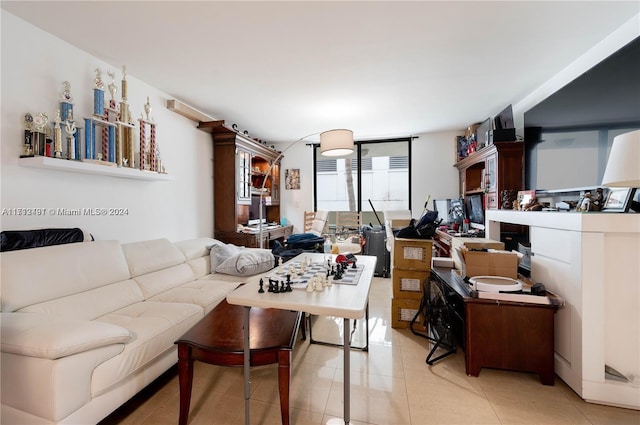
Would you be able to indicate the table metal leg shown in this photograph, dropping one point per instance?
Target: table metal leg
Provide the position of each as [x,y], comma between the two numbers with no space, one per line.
[347,372]
[247,365]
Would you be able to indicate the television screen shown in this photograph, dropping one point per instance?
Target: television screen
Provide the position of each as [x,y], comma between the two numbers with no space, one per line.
[449,210]
[482,133]
[504,119]
[475,210]
[254,211]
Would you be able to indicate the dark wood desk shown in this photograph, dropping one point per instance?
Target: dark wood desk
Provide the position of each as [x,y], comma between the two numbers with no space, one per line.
[498,334]
[252,240]
[218,339]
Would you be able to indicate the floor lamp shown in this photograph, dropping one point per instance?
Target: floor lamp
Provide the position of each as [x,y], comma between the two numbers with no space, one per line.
[338,142]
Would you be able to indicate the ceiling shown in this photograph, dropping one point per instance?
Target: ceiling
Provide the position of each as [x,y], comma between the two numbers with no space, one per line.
[282,70]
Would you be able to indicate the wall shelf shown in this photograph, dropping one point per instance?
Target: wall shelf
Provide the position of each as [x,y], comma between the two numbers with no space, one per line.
[89,168]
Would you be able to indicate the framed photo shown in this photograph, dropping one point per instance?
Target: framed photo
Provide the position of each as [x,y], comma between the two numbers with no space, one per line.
[618,200]
[292,178]
[524,197]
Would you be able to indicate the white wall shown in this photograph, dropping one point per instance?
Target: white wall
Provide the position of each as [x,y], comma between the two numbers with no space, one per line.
[34,65]
[432,173]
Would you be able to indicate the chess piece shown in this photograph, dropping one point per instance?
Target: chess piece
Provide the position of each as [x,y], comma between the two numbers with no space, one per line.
[279,264]
[261,290]
[311,284]
[282,288]
[319,285]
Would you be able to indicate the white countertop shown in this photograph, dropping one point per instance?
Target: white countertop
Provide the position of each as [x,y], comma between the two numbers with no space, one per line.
[339,300]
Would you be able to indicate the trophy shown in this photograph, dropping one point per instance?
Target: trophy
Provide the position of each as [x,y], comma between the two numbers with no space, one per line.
[34,134]
[111,115]
[72,146]
[147,151]
[126,146]
[66,101]
[57,136]
[98,95]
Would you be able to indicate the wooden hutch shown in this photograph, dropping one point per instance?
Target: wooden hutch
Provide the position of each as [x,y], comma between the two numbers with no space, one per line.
[489,171]
[492,169]
[241,166]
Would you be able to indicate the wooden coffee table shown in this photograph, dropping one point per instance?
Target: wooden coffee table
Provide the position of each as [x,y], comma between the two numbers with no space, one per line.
[218,339]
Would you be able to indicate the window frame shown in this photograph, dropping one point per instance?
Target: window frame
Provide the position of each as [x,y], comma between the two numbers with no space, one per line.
[358,145]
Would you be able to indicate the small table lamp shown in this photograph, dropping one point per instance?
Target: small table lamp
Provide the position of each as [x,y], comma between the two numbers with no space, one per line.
[623,165]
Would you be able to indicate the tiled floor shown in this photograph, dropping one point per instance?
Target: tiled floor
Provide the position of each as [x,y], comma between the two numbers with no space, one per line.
[390,384]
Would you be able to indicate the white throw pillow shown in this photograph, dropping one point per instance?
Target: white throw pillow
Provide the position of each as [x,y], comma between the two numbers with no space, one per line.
[222,251]
[248,262]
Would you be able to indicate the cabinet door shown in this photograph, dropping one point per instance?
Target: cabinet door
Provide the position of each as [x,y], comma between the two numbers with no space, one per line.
[275,184]
[490,183]
[244,177]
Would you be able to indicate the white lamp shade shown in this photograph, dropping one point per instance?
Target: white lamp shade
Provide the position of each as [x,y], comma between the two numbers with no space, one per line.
[623,165]
[336,142]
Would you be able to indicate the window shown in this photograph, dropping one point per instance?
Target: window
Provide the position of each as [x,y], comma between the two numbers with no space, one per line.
[377,170]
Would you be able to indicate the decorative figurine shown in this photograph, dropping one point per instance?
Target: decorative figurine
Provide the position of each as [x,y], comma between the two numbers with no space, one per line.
[585,205]
[533,205]
[113,88]
[597,202]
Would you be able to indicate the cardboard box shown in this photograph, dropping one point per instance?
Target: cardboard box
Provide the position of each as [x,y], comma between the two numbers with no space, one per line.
[402,313]
[471,243]
[399,223]
[408,284]
[489,263]
[412,254]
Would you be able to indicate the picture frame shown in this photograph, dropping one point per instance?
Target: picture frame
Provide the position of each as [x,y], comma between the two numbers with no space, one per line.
[292,179]
[524,196]
[618,199]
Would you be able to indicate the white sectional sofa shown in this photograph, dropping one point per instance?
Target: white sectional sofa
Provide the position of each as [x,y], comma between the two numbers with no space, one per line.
[85,326]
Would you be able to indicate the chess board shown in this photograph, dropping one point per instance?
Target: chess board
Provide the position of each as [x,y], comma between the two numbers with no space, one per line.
[299,280]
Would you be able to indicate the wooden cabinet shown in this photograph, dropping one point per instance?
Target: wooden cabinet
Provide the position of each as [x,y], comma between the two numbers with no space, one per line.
[492,169]
[495,334]
[241,168]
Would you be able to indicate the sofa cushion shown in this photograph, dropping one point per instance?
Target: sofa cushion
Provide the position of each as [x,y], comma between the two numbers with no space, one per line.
[221,252]
[150,256]
[200,266]
[57,271]
[247,262]
[91,304]
[207,293]
[155,327]
[162,280]
[39,335]
[195,248]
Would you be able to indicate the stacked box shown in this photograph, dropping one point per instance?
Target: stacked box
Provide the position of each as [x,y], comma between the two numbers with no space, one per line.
[411,268]
[402,313]
[408,284]
[412,254]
